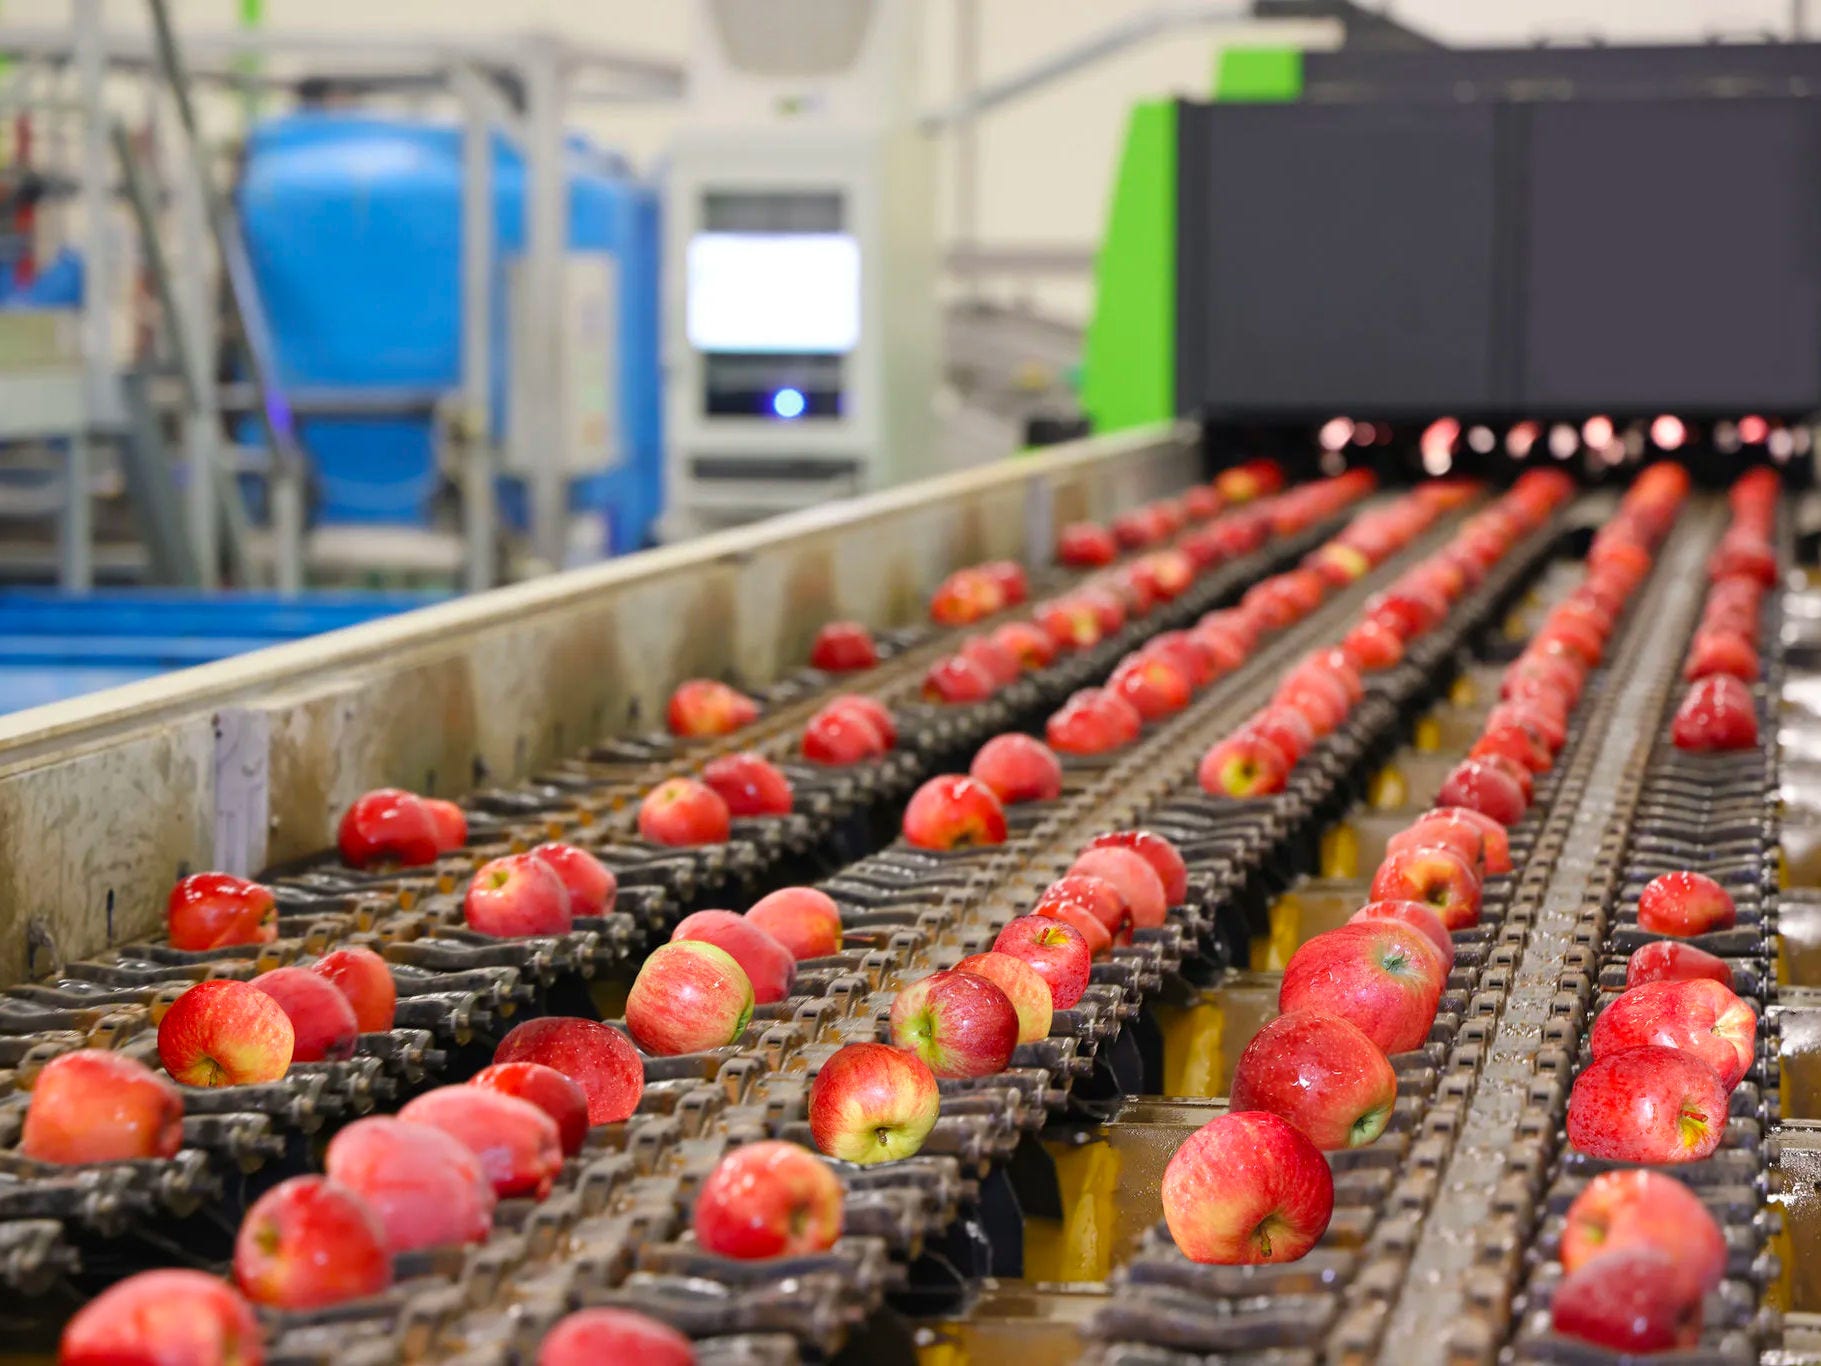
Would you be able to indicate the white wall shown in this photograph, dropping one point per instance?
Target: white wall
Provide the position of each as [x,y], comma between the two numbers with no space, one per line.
[1046,161]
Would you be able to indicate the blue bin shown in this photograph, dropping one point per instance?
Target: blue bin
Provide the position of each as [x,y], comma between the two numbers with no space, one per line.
[353,224]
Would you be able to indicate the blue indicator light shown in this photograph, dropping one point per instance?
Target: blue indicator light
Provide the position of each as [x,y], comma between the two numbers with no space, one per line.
[788,403]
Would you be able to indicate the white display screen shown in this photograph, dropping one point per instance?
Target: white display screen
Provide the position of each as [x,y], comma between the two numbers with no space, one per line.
[774,292]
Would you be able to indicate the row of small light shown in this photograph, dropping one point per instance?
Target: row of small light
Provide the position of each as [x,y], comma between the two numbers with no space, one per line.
[1598,438]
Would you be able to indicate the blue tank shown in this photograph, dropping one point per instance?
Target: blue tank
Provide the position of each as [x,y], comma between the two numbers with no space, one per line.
[353,224]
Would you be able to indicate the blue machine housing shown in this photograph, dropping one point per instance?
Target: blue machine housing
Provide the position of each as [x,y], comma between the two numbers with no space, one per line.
[353,224]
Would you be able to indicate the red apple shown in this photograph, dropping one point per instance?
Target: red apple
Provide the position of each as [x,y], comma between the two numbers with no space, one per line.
[1093,721]
[768,964]
[1496,843]
[953,811]
[225,1033]
[519,1146]
[1069,622]
[1699,1016]
[1624,1209]
[964,597]
[1435,877]
[1000,663]
[1132,876]
[838,736]
[1154,686]
[750,784]
[1057,951]
[769,1199]
[1722,652]
[1514,741]
[591,885]
[163,1318]
[1246,1188]
[1196,661]
[1667,961]
[307,1244]
[1512,769]
[1479,785]
[843,647]
[426,1187]
[1100,898]
[872,1103]
[1028,992]
[323,1025]
[1286,728]
[1155,850]
[1373,647]
[388,826]
[1418,917]
[1441,832]
[1717,714]
[702,707]
[548,1089]
[517,895]
[590,1337]
[451,824]
[596,1057]
[1648,1105]
[681,811]
[877,715]
[1070,909]
[363,977]
[1026,642]
[805,921]
[956,680]
[1018,769]
[1245,764]
[215,910]
[959,1024]
[1630,1301]
[96,1106]
[1014,583]
[1685,904]
[1384,977]
[1320,1073]
[689,997]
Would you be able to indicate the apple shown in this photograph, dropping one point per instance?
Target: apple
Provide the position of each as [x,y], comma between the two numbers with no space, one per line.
[1132,876]
[1247,1188]
[1495,848]
[388,826]
[769,1199]
[872,1103]
[1540,720]
[956,680]
[1441,832]
[362,976]
[689,997]
[1165,859]
[1014,583]
[768,965]
[843,647]
[1018,768]
[1373,647]
[1684,904]
[427,1188]
[450,822]
[1636,1208]
[1665,960]
[216,910]
[556,1095]
[1154,686]
[877,715]
[163,1318]
[1722,652]
[1322,705]
[1436,877]
[1068,908]
[702,707]
[1699,1016]
[1245,764]
[1198,662]
[1201,502]
[839,736]
[681,812]
[959,1024]
[1093,721]
[590,1337]
[1286,728]
[225,1033]
[307,1243]
[1001,664]
[805,921]
[519,1146]
[1027,643]
[591,884]
[1028,992]
[953,811]
[750,784]
[1320,1073]
[1383,976]
[93,1105]
[1717,714]
[1515,741]
[1228,624]
[1512,769]
[1070,623]
[964,597]
[1648,1104]
[1479,785]
[519,894]
[1057,951]
[323,1024]
[596,1057]
[1418,917]
[1630,1301]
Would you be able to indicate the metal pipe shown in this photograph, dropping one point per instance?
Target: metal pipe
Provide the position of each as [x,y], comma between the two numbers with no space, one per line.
[474,416]
[539,352]
[76,570]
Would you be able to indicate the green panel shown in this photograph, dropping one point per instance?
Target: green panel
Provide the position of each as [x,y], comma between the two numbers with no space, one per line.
[1259,74]
[1129,352]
